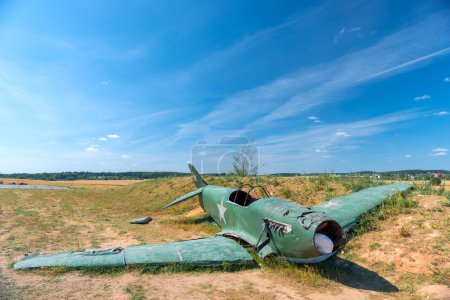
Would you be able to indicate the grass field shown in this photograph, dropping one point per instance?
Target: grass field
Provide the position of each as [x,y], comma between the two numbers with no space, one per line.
[400,251]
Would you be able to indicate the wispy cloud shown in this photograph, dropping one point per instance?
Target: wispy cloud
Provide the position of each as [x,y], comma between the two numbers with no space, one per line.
[441,113]
[314,119]
[283,148]
[413,62]
[342,134]
[447,79]
[93,148]
[345,30]
[300,91]
[439,151]
[109,136]
[125,156]
[423,97]
[408,155]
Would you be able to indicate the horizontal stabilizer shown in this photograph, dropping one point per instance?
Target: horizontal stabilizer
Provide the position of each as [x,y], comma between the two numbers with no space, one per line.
[211,251]
[185,197]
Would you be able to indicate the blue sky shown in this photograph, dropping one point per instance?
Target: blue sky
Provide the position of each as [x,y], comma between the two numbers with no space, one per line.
[315,85]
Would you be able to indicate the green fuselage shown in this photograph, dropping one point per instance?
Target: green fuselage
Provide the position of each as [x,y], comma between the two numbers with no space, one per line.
[290,228]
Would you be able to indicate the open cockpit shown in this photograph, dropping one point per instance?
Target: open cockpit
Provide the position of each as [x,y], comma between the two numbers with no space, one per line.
[246,194]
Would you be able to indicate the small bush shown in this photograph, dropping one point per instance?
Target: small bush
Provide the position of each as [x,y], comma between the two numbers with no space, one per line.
[405,231]
[435,181]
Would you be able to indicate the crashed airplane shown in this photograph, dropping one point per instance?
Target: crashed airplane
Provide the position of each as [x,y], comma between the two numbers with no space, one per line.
[247,215]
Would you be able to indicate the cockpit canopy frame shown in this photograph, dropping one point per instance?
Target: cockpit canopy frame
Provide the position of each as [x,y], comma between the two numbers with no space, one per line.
[245,198]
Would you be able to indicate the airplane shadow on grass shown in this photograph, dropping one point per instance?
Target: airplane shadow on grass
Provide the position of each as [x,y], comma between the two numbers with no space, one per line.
[353,275]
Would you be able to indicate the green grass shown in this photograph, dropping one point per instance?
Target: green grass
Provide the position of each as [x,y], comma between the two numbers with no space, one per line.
[183,268]
[143,269]
[286,192]
[428,189]
[396,204]
[135,292]
[374,246]
[355,184]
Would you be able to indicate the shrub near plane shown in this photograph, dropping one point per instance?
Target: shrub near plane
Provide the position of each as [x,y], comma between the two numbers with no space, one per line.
[272,226]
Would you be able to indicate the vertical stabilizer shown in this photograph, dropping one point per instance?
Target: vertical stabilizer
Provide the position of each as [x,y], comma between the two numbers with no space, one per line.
[199,182]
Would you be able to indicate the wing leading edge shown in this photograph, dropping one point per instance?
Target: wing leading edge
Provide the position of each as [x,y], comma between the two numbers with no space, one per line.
[211,251]
[346,210]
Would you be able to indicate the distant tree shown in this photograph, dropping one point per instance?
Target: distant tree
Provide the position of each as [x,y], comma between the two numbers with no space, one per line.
[245,161]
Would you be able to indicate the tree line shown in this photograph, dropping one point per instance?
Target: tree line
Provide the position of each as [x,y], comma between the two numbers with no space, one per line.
[93,175]
[389,175]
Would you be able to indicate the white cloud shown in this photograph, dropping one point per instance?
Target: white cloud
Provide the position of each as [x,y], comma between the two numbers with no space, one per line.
[314,119]
[321,150]
[439,153]
[441,113]
[342,133]
[125,156]
[423,97]
[324,137]
[447,79]
[113,136]
[93,148]
[408,155]
[102,139]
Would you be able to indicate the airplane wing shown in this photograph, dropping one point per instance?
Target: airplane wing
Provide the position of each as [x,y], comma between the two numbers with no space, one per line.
[346,210]
[211,251]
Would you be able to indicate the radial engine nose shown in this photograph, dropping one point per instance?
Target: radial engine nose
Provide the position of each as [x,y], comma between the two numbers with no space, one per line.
[323,243]
[328,237]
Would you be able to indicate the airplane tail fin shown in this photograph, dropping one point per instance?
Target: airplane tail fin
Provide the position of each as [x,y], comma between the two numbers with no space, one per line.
[199,182]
